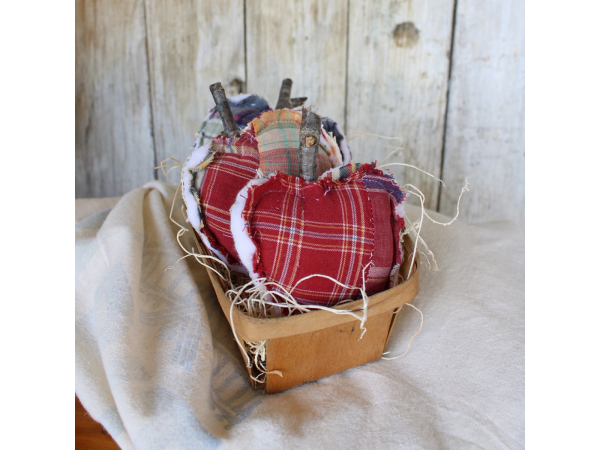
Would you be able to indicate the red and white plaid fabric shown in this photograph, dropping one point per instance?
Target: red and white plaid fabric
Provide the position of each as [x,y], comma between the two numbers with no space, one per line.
[232,163]
[336,226]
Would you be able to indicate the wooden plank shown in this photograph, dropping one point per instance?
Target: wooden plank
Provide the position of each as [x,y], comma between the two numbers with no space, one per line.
[89,434]
[304,41]
[309,356]
[397,84]
[485,137]
[191,45]
[114,150]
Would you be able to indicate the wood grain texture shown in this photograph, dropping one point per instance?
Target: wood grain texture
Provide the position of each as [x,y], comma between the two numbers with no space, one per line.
[306,347]
[301,40]
[191,45]
[485,137]
[114,150]
[252,329]
[397,84]
[143,71]
[309,356]
[89,434]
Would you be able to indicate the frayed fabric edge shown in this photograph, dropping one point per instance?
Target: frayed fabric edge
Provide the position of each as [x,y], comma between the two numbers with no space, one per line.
[187,177]
[244,245]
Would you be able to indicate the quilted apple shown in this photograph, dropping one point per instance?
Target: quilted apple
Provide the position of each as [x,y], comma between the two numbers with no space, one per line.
[285,228]
[214,173]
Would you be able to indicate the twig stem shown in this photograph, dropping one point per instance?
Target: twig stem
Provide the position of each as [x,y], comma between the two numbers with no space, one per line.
[285,92]
[220,98]
[297,101]
[310,130]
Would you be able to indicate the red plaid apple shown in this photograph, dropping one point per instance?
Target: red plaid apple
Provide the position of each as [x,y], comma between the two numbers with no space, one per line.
[286,228]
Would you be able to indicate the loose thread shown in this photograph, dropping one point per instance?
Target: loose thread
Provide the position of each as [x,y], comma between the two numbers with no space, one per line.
[259,350]
[413,167]
[413,336]
[414,252]
[395,153]
[417,226]
[367,136]
[172,166]
[361,133]
[462,191]
[197,256]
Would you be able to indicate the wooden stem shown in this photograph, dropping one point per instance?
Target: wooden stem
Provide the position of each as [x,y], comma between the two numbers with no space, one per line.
[220,98]
[297,101]
[285,92]
[310,130]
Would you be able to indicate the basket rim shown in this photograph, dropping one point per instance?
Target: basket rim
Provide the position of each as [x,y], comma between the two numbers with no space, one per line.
[255,329]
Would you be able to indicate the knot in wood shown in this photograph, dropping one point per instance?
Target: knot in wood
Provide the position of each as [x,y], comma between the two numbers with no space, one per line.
[309,141]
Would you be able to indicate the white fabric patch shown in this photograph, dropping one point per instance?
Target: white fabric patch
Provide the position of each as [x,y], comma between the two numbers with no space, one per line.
[244,245]
[399,210]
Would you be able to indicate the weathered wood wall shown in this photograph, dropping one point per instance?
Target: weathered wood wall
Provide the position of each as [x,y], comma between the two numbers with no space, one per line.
[446,76]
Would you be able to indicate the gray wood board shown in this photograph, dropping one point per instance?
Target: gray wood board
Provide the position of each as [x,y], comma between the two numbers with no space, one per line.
[304,41]
[485,136]
[190,46]
[114,150]
[397,85]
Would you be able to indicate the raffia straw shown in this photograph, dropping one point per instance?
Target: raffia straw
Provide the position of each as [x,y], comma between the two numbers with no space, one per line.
[421,197]
[367,136]
[411,339]
[414,252]
[360,133]
[413,227]
[256,292]
[259,352]
[462,191]
[395,153]
[172,166]
[197,256]
[413,167]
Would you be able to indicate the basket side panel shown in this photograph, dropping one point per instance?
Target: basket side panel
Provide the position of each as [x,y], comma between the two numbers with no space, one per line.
[307,357]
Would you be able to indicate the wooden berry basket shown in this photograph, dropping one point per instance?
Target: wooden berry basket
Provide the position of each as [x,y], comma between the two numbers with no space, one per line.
[313,345]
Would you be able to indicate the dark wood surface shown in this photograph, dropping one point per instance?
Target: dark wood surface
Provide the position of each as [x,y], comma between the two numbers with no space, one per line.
[89,434]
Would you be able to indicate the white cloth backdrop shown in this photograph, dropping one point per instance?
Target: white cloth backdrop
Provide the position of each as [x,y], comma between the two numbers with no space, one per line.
[157,365]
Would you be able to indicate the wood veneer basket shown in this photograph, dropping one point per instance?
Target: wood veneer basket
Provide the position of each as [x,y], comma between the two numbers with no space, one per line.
[313,345]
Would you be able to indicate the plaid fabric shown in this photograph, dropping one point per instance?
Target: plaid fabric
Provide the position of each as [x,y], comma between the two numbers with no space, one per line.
[244,108]
[384,191]
[245,145]
[231,164]
[277,133]
[334,227]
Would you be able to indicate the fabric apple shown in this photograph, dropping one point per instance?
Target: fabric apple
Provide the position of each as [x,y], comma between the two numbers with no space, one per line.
[285,228]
